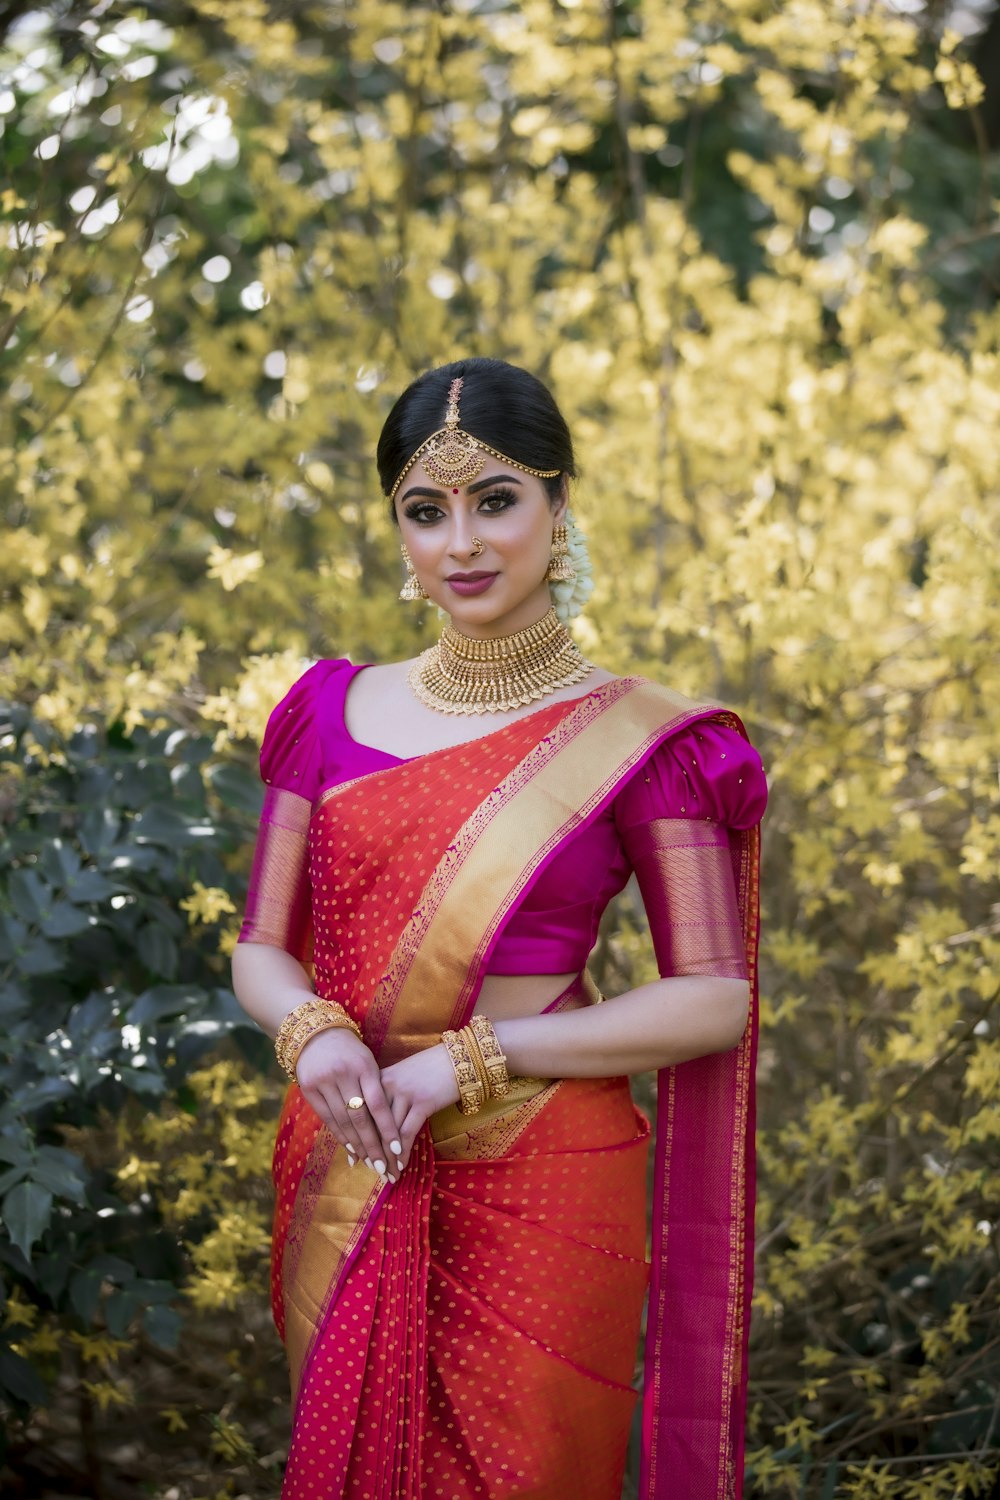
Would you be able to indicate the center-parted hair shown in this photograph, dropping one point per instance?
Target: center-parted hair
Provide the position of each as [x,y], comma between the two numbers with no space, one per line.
[501,404]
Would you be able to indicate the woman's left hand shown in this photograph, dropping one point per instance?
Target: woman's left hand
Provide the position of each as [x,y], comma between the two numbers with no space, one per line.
[416,1087]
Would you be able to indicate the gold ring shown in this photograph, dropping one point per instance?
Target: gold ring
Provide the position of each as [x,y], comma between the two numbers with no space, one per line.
[356,1103]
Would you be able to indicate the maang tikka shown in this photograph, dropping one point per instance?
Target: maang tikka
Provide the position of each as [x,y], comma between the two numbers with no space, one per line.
[452,456]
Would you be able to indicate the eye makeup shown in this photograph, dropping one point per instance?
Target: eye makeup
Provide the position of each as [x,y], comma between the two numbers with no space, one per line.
[425,513]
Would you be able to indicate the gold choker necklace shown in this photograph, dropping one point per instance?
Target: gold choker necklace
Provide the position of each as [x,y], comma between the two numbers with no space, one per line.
[461,675]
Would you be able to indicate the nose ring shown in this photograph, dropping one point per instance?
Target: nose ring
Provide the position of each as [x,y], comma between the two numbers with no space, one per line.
[477,547]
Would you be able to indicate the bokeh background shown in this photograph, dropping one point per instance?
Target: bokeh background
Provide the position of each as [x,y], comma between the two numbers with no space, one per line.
[755,249]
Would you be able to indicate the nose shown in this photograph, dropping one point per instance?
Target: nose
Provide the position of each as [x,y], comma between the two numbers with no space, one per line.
[461,542]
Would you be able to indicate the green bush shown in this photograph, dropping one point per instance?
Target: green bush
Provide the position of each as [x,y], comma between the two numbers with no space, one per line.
[109,1001]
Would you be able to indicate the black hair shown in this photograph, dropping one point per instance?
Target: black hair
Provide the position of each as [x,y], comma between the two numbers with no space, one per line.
[505,406]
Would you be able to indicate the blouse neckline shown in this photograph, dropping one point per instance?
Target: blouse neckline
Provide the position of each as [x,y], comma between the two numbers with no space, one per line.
[355,667]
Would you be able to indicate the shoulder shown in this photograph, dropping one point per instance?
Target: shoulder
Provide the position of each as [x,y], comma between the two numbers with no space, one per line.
[704,768]
[290,753]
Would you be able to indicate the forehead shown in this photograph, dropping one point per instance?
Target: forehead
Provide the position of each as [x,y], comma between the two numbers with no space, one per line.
[493,468]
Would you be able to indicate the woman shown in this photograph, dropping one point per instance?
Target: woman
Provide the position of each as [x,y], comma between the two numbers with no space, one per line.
[459,1257]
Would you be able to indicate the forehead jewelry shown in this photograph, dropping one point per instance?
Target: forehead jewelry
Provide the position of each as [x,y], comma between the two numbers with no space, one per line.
[452,456]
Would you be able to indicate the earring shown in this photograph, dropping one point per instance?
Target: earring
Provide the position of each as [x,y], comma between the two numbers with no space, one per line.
[412,588]
[561,569]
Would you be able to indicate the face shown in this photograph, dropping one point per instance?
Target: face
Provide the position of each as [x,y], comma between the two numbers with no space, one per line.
[502,588]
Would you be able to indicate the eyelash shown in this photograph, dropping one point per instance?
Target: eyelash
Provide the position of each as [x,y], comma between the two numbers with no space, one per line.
[419,511]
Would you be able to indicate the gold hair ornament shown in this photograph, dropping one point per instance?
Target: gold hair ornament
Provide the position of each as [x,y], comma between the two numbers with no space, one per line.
[452,456]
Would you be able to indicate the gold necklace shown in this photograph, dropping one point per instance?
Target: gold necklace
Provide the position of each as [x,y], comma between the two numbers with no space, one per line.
[460,675]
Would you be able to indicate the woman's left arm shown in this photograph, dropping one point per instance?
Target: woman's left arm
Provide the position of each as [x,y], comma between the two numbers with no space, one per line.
[654,1026]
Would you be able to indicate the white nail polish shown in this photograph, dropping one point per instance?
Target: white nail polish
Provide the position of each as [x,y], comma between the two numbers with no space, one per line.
[396,1147]
[399,1162]
[369,1163]
[379,1165]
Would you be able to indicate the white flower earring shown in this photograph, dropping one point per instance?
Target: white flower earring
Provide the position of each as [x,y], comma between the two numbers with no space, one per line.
[574,585]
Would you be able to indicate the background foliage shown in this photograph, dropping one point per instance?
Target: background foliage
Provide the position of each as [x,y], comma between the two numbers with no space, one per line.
[753,248]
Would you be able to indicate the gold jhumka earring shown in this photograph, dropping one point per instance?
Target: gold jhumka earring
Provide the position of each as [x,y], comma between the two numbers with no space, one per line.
[412,587]
[561,569]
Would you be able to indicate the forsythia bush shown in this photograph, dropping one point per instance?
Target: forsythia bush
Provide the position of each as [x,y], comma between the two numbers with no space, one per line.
[743,241]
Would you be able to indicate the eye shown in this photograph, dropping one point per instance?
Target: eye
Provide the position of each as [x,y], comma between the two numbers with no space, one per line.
[424,512]
[497,501]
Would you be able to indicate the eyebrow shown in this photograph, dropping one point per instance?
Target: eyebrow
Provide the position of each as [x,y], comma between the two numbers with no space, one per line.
[473,489]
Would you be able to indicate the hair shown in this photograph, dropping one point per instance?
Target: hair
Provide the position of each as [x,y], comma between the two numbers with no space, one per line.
[501,404]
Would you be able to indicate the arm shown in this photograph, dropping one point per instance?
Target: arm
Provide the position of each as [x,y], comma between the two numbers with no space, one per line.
[332,1067]
[275,943]
[654,1026]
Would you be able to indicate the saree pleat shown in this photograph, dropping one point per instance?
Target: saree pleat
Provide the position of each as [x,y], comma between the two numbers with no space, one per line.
[472,1330]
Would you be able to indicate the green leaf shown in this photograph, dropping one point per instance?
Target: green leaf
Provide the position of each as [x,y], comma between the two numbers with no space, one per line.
[163,1326]
[27,1209]
[157,950]
[236,787]
[29,895]
[91,885]
[39,957]
[98,830]
[59,862]
[21,1380]
[63,920]
[85,1292]
[119,1310]
[165,1000]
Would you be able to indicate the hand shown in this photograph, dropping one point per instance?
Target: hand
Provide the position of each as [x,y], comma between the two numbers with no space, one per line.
[416,1087]
[335,1066]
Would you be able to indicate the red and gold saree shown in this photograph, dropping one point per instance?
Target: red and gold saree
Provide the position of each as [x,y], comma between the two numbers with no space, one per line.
[471,1331]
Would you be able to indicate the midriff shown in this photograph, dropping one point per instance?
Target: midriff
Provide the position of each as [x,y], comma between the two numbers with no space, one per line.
[504,997]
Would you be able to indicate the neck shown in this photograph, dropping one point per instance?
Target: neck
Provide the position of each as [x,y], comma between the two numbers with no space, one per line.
[529,612]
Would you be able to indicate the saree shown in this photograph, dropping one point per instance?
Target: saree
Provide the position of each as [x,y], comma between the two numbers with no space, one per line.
[470,1331]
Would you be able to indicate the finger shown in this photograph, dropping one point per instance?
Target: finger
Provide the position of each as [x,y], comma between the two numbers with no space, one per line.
[347,1124]
[384,1121]
[374,1151]
[352,1118]
[401,1107]
[410,1129]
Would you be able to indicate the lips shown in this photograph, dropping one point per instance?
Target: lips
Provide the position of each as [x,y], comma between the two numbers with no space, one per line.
[469,577]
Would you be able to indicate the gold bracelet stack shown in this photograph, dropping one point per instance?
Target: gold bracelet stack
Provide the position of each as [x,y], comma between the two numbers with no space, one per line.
[471,1092]
[479,1063]
[490,1058]
[303,1023]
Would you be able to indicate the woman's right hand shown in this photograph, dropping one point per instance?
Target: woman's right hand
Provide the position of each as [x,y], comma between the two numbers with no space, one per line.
[335,1066]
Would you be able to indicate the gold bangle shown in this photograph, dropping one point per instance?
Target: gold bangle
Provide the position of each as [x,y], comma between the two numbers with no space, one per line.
[471,1094]
[303,1023]
[471,1041]
[494,1061]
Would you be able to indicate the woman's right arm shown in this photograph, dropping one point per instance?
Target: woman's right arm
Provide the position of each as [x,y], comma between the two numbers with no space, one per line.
[332,1067]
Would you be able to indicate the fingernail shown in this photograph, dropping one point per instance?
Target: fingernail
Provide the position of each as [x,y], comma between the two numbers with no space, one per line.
[379,1165]
[352,1161]
[349,1149]
[399,1162]
[369,1163]
[396,1146]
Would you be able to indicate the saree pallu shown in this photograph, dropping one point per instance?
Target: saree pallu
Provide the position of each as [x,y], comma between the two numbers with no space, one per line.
[471,1330]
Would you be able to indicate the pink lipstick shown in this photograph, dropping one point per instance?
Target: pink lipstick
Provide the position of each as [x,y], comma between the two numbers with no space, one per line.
[467,584]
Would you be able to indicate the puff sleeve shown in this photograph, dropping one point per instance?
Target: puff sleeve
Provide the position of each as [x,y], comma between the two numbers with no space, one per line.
[678,818]
[279,908]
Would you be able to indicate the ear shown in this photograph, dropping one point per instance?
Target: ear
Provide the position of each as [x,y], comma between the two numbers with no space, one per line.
[561,506]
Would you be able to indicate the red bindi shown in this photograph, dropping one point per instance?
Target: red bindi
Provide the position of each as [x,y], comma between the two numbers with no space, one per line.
[454,492]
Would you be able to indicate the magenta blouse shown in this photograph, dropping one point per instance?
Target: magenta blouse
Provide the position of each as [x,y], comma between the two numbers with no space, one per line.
[667,823]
